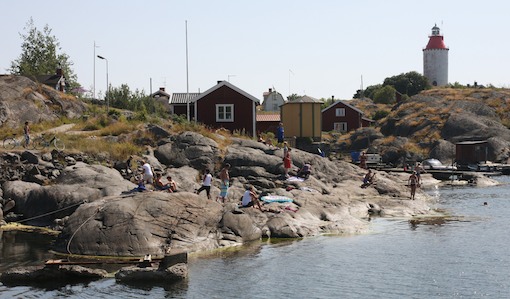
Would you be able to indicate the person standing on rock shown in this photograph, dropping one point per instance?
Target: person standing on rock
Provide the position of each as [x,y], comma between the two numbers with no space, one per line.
[413,183]
[280,133]
[206,184]
[148,175]
[225,181]
[26,133]
[287,163]
[363,160]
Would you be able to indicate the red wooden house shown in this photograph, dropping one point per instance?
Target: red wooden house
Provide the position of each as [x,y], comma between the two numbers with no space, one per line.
[226,106]
[343,117]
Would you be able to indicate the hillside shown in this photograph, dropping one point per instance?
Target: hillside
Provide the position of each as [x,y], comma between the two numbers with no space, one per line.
[430,123]
[21,99]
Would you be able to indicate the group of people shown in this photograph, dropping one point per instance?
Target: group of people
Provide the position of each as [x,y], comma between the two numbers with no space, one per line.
[147,177]
[413,182]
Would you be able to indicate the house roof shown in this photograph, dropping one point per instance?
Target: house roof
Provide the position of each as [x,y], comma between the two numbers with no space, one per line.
[305,99]
[367,119]
[229,85]
[343,102]
[180,97]
[160,93]
[268,117]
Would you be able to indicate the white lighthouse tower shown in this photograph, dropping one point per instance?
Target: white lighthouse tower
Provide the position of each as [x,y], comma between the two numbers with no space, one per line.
[435,59]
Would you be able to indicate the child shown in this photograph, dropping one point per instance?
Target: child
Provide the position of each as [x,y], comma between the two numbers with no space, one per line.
[206,184]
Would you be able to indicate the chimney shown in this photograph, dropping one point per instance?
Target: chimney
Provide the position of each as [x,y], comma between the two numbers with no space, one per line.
[219,81]
[161,89]
[59,72]
[270,90]
[333,98]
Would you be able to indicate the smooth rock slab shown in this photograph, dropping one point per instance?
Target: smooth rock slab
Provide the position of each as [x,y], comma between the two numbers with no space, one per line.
[135,274]
[51,274]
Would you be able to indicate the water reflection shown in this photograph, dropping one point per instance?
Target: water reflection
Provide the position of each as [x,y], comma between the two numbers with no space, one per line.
[18,248]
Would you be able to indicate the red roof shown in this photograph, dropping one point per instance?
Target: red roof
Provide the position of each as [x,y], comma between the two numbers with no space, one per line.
[436,42]
[268,117]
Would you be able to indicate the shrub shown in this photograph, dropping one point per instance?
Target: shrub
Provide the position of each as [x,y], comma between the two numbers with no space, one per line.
[379,114]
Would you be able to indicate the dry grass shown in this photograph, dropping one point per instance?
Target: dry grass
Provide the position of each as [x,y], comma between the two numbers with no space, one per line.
[388,140]
[94,146]
[119,128]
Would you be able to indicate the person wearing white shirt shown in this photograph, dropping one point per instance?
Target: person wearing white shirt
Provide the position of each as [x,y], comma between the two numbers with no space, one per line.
[206,184]
[148,176]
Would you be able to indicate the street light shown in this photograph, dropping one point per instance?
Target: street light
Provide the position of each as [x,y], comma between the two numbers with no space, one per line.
[107,86]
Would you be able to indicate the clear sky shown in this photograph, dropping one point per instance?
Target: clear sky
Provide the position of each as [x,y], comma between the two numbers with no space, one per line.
[318,48]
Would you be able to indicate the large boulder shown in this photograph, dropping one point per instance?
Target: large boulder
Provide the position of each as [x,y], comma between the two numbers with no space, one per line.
[107,180]
[188,148]
[18,191]
[240,225]
[47,203]
[140,224]
[444,151]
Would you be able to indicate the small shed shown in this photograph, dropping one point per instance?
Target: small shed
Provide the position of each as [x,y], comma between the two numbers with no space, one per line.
[267,122]
[302,118]
[179,103]
[471,152]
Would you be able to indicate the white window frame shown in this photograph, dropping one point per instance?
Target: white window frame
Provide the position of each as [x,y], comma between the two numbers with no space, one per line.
[340,126]
[224,118]
[340,112]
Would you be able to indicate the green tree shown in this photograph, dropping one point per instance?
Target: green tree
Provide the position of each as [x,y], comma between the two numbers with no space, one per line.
[123,98]
[385,95]
[410,83]
[293,97]
[41,55]
[326,102]
[368,92]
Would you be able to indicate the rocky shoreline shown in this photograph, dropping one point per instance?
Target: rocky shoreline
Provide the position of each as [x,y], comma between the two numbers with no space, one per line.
[97,215]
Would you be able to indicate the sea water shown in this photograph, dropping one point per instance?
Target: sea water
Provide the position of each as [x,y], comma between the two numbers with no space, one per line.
[464,256]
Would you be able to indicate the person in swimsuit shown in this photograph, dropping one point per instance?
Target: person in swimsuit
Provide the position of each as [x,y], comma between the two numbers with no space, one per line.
[413,183]
[224,183]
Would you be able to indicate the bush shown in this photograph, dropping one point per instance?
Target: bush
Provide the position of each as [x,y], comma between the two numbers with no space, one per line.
[379,114]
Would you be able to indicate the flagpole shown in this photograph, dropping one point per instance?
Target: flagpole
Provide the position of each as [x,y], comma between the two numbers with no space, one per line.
[94,77]
[187,76]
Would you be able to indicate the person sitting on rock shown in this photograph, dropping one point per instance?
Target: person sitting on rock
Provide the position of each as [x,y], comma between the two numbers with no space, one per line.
[172,184]
[141,186]
[250,198]
[368,179]
[159,185]
[305,171]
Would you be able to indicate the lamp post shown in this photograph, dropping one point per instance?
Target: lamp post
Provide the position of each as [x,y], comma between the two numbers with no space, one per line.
[107,86]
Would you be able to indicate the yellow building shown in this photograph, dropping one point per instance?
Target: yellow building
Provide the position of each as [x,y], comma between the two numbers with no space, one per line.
[302,118]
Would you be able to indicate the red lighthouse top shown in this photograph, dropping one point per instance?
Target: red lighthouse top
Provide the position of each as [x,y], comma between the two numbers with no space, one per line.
[436,40]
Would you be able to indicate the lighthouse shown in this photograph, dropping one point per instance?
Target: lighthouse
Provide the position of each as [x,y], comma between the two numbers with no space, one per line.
[435,59]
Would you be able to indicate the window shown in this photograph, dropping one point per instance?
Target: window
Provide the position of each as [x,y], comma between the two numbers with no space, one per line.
[340,111]
[225,113]
[275,107]
[340,127]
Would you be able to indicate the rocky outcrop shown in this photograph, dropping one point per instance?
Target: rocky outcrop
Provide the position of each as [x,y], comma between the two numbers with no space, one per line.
[454,115]
[188,148]
[142,223]
[21,99]
[98,213]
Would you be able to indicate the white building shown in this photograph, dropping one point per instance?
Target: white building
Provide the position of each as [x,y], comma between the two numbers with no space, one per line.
[435,59]
[272,100]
